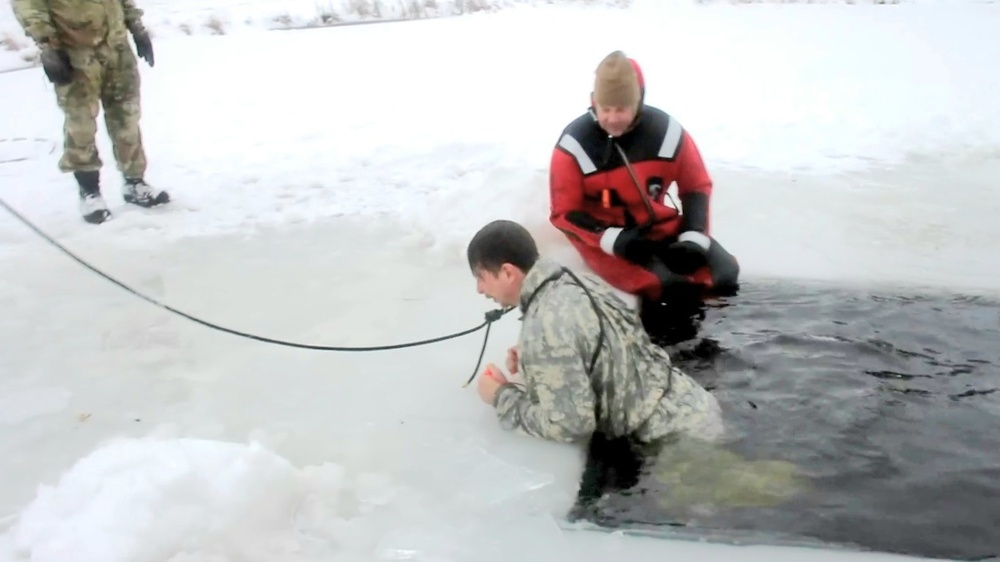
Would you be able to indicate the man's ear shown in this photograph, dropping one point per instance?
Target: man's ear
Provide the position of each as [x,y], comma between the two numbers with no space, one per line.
[509,270]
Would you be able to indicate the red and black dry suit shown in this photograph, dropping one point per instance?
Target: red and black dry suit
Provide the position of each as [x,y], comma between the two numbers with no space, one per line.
[593,195]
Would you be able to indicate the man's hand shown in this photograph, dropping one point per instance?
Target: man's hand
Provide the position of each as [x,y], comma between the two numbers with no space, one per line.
[143,46]
[628,243]
[489,382]
[512,359]
[688,254]
[55,63]
[674,286]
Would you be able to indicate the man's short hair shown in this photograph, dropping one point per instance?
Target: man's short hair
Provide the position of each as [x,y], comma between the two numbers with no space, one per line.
[500,242]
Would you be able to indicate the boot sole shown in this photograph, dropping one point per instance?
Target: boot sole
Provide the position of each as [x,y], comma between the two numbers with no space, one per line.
[98,217]
[161,199]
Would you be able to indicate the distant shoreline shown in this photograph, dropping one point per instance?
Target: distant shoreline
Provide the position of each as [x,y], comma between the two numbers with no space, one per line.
[288,28]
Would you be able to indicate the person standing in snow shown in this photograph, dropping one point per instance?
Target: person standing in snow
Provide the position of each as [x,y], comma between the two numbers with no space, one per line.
[588,365]
[609,178]
[86,55]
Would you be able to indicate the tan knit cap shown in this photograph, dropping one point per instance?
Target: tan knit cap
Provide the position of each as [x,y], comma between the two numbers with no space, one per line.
[616,83]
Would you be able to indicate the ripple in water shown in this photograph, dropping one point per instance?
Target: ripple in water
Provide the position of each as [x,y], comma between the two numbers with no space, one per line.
[856,419]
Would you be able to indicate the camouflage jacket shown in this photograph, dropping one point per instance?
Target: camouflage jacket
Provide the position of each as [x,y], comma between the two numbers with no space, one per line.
[628,394]
[78,23]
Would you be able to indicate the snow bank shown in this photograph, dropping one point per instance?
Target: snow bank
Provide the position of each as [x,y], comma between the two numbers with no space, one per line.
[195,500]
[165,499]
[172,500]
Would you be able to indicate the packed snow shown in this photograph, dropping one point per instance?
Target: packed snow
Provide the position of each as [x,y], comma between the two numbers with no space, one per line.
[325,182]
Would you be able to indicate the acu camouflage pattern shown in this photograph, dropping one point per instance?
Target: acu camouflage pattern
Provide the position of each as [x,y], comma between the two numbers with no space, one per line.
[558,336]
[73,24]
[94,33]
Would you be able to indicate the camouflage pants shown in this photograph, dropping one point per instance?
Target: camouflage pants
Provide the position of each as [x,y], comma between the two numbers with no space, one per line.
[105,76]
[688,410]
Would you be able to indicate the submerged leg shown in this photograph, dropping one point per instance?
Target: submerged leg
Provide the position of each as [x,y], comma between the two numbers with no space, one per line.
[593,481]
[614,465]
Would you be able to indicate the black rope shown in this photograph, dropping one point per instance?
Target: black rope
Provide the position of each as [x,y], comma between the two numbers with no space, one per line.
[491,316]
[482,351]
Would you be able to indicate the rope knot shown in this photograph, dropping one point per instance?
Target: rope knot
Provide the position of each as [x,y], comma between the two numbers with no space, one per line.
[494,315]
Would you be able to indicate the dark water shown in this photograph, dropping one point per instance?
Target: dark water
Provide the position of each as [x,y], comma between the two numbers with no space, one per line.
[886,406]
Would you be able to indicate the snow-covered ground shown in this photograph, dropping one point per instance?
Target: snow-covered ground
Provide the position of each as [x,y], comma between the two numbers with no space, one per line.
[325,183]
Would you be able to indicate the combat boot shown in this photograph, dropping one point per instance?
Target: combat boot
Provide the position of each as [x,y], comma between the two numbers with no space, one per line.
[92,206]
[138,192]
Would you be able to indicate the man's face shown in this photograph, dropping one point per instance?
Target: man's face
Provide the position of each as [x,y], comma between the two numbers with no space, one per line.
[615,120]
[502,287]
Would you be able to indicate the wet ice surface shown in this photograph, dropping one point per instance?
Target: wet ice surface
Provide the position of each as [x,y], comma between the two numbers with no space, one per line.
[249,450]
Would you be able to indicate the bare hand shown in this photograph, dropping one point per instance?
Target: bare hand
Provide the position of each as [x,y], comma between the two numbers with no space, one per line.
[512,359]
[489,382]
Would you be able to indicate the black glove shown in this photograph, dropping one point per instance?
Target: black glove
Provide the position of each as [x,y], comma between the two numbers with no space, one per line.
[628,243]
[55,63]
[674,287]
[143,46]
[688,254]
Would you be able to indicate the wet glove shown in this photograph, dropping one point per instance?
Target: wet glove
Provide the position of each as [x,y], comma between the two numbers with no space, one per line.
[688,254]
[55,63]
[627,243]
[143,45]
[674,287]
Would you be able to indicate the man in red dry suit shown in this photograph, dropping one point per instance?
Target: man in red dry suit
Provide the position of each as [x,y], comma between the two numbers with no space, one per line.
[609,179]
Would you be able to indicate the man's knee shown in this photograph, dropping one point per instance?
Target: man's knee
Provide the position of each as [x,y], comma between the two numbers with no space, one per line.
[79,102]
[123,122]
[624,275]
[80,132]
[123,110]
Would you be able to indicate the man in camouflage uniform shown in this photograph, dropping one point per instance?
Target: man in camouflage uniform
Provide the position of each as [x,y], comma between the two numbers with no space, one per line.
[588,365]
[86,55]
